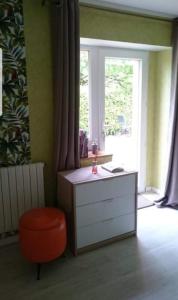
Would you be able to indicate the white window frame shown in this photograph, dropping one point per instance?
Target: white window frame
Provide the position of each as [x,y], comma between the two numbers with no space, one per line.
[93,65]
[96,56]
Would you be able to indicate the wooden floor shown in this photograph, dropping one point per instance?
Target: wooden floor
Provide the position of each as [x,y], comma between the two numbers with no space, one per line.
[143,202]
[142,268]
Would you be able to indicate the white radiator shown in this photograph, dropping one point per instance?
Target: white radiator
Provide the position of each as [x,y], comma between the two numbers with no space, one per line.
[21,188]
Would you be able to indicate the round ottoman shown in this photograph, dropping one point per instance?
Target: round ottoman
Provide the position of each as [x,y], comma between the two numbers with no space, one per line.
[42,233]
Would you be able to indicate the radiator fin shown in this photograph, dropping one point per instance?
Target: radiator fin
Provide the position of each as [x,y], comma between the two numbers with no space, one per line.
[21,188]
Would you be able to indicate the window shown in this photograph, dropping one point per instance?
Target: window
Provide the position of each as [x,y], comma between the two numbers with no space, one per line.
[84,90]
[113,102]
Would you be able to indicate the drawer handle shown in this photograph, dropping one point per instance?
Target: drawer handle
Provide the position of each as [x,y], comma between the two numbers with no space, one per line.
[108,200]
[108,220]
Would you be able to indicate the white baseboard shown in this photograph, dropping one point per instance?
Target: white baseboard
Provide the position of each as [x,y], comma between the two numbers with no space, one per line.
[152,189]
[148,189]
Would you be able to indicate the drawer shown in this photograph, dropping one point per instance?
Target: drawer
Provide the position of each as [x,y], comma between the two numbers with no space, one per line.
[91,192]
[105,230]
[109,208]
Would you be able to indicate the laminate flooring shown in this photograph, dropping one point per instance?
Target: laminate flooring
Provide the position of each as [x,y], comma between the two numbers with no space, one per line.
[138,268]
[143,202]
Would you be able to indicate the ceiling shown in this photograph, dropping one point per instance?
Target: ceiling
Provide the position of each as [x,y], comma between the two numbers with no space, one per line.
[162,8]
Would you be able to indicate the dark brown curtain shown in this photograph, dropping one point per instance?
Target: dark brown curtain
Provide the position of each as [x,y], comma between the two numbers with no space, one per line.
[171,190]
[66,46]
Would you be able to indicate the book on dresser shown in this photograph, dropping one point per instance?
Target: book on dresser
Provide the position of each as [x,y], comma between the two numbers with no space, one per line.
[112,167]
[100,208]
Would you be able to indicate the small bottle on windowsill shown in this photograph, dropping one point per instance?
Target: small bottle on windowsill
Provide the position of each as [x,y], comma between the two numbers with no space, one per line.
[94,166]
[94,147]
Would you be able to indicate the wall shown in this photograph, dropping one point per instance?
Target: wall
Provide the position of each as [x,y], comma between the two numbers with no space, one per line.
[151,116]
[115,26]
[39,75]
[95,23]
[158,116]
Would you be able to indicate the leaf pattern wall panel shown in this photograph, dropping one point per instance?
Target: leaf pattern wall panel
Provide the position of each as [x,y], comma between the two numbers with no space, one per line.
[14,123]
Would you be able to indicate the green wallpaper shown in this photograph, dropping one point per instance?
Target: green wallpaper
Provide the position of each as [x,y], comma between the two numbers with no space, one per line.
[95,24]
[39,71]
[158,116]
[115,26]
[161,116]
[151,116]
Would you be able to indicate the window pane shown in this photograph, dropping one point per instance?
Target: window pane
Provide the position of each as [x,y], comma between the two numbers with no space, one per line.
[84,91]
[121,109]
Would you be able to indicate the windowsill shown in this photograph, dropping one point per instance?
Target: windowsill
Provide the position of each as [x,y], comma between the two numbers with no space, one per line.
[102,158]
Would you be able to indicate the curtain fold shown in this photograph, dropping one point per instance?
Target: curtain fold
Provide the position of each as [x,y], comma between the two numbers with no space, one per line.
[66,52]
[171,187]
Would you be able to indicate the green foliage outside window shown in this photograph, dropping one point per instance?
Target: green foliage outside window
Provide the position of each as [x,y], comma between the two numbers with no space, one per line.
[118,95]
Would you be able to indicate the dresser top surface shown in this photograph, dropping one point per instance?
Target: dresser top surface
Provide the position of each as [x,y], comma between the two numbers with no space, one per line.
[83,175]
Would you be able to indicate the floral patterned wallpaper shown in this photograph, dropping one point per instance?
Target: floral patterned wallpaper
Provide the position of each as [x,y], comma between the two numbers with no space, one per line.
[14,123]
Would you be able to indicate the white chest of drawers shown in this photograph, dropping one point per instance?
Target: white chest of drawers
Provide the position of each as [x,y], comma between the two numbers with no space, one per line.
[100,208]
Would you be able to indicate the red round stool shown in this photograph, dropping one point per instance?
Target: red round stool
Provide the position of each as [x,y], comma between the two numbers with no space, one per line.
[42,233]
